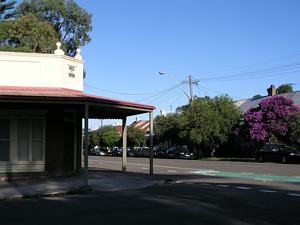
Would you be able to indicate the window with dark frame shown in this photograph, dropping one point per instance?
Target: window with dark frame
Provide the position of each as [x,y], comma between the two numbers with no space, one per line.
[4,139]
[30,139]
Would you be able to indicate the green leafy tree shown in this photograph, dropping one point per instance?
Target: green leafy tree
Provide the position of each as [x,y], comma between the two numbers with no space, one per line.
[256,96]
[294,124]
[284,88]
[135,137]
[94,138]
[27,34]
[70,22]
[166,129]
[208,122]
[6,6]
[109,136]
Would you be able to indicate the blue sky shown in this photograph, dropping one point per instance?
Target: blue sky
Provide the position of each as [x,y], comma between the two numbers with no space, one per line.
[133,40]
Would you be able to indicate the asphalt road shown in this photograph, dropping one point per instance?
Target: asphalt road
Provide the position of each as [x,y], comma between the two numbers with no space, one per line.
[180,166]
[275,175]
[182,204]
[185,198]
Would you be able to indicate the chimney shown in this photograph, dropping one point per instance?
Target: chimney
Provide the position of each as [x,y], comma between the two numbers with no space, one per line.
[271,90]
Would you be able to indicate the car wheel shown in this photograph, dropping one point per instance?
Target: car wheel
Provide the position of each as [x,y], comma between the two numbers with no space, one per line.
[283,159]
[260,158]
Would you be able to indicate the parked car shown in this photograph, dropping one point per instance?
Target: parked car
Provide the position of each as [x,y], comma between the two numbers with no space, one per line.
[130,152]
[119,152]
[97,151]
[278,153]
[161,152]
[141,151]
[172,153]
[100,152]
[186,154]
[116,151]
[179,153]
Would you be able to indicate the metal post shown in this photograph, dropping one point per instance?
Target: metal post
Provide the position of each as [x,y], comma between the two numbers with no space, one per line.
[124,153]
[86,143]
[151,141]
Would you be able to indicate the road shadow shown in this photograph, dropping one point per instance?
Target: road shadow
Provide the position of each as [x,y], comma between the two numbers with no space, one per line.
[167,204]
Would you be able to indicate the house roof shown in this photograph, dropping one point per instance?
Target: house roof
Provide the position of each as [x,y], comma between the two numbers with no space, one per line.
[252,103]
[141,124]
[101,107]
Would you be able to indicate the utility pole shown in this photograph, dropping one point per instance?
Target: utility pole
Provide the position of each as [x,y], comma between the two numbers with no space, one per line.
[191,82]
[191,88]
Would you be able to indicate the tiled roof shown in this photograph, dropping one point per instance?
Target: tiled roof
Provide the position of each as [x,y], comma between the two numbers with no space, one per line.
[251,103]
[141,124]
[57,93]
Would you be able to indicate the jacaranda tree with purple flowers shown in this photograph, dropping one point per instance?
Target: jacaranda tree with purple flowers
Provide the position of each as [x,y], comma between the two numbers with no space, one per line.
[270,120]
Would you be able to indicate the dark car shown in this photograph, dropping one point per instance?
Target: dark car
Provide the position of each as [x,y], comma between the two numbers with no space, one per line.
[179,153]
[186,154]
[161,152]
[116,151]
[97,151]
[277,153]
[119,152]
[130,152]
[172,153]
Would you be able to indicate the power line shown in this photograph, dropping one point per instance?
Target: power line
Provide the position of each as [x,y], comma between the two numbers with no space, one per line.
[177,99]
[126,93]
[259,76]
[163,97]
[219,92]
[281,68]
[170,97]
[258,63]
[159,94]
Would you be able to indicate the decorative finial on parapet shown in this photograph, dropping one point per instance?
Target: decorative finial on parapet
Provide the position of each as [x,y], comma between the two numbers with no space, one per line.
[78,56]
[58,51]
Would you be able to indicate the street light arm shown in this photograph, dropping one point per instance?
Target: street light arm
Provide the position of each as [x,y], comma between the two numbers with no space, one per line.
[176,81]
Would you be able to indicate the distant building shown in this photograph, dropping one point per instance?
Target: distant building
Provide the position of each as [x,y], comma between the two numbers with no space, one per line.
[119,129]
[142,125]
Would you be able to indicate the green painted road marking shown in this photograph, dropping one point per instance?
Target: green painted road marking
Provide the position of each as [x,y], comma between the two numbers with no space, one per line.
[254,176]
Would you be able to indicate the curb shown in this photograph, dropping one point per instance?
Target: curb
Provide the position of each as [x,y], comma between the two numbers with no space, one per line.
[79,190]
[47,194]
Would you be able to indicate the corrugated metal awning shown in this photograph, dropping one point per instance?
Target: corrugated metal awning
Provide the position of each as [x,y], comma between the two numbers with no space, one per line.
[100,107]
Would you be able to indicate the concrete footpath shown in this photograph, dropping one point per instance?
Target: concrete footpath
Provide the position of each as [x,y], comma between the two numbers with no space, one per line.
[98,181]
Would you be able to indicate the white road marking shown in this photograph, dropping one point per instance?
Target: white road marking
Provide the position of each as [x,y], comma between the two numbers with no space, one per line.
[243,188]
[179,182]
[294,194]
[267,191]
[223,185]
[247,173]
[171,171]
[145,168]
[263,179]
[205,172]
